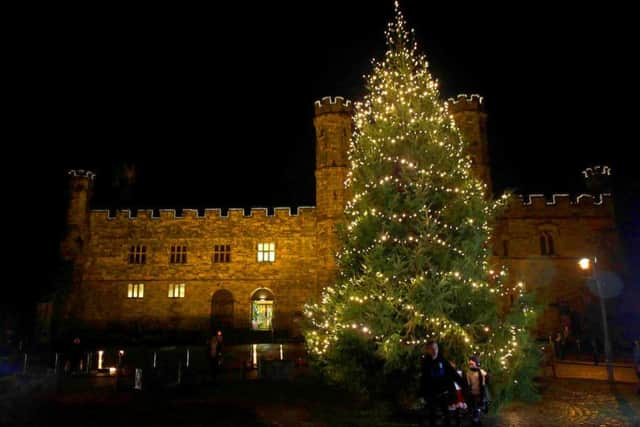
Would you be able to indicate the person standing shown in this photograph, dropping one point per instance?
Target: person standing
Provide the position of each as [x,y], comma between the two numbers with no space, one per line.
[594,348]
[476,378]
[565,340]
[215,354]
[437,384]
[549,358]
[636,360]
[75,355]
[558,346]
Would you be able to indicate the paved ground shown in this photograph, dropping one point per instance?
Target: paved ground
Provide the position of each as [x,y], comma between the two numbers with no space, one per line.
[96,402]
[577,402]
[238,400]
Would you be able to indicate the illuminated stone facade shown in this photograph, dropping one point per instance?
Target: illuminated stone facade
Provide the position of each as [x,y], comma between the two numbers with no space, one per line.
[226,284]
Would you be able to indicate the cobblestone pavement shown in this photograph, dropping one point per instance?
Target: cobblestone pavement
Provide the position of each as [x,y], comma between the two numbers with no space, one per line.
[95,402]
[577,403]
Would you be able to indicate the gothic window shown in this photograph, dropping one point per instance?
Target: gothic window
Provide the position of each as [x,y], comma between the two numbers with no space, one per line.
[176,290]
[135,290]
[266,252]
[137,254]
[178,254]
[547,244]
[222,253]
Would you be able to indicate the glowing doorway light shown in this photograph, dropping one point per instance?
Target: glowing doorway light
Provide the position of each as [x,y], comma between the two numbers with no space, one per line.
[254,355]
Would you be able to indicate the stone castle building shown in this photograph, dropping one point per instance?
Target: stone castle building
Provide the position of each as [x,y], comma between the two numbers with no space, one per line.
[255,270]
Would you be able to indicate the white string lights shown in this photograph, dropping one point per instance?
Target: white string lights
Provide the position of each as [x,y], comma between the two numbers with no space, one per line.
[415,260]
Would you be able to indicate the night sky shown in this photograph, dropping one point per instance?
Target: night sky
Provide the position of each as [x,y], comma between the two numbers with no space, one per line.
[215,106]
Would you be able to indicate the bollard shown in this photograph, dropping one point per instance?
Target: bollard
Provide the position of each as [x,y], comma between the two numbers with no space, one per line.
[179,373]
[55,363]
[137,383]
[187,358]
[24,366]
[87,367]
[155,359]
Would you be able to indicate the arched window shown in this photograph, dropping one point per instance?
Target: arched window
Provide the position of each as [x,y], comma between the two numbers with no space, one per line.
[262,310]
[546,243]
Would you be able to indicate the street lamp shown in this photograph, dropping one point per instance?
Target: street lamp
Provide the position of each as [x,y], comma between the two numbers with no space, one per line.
[590,264]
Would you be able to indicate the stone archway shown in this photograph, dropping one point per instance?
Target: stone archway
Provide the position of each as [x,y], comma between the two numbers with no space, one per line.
[222,310]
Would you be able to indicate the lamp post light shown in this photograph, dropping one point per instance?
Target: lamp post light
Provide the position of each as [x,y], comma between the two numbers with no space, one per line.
[590,264]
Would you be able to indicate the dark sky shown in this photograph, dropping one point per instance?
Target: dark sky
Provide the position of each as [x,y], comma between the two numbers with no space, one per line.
[215,106]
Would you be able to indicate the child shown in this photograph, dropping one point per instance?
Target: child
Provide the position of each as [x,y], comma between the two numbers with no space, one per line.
[476,384]
[457,406]
[459,400]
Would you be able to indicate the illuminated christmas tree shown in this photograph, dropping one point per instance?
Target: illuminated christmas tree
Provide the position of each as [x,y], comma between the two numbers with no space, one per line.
[414,265]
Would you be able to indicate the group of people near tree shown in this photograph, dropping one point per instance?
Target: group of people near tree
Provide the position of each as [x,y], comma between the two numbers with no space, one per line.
[451,391]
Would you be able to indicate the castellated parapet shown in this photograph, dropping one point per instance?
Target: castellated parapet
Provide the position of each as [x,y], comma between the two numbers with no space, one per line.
[284,213]
[333,105]
[465,103]
[81,173]
[561,205]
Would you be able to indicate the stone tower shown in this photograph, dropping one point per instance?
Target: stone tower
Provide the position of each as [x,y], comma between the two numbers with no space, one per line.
[76,236]
[468,112]
[80,188]
[597,179]
[333,125]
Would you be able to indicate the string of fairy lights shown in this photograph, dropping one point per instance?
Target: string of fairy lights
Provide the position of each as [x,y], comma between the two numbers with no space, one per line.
[404,97]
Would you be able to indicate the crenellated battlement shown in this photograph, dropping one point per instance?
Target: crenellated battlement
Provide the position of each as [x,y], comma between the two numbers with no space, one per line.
[333,105]
[465,103]
[560,205]
[597,171]
[82,173]
[208,214]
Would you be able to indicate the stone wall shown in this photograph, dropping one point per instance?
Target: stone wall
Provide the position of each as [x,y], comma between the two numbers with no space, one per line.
[292,277]
[306,243]
[581,227]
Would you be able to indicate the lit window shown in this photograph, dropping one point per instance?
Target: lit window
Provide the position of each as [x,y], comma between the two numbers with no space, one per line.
[222,253]
[137,254]
[266,252]
[176,290]
[135,290]
[178,254]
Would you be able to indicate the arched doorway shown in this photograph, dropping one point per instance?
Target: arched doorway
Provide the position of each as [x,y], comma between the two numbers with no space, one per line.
[222,310]
[262,310]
